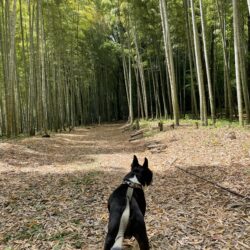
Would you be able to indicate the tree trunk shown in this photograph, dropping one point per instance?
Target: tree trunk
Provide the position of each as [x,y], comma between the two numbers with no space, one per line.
[203,108]
[24,59]
[170,61]
[32,96]
[131,112]
[139,96]
[248,49]
[236,53]
[163,90]
[4,67]
[210,91]
[190,59]
[43,80]
[11,114]
[150,97]
[227,88]
[243,70]
[155,92]
[142,77]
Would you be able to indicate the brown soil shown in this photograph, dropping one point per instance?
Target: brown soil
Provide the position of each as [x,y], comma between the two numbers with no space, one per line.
[53,191]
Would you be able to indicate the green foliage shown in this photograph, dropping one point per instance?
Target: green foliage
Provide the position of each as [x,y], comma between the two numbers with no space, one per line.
[84,45]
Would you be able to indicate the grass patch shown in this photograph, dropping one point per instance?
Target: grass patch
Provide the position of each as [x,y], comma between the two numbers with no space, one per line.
[28,231]
[150,133]
[220,123]
[88,178]
[76,221]
[59,245]
[59,236]
[7,238]
[78,244]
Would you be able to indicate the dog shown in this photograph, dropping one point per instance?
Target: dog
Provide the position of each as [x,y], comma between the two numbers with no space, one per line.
[127,207]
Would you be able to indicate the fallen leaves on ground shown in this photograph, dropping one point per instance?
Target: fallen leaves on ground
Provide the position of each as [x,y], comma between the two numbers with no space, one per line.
[53,192]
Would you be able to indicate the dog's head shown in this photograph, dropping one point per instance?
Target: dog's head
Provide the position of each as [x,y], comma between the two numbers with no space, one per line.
[143,174]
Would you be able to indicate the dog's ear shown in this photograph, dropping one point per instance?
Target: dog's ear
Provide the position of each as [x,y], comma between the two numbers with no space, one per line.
[135,162]
[145,164]
[149,177]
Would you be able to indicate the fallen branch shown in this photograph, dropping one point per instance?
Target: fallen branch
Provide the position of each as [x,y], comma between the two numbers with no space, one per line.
[137,133]
[215,184]
[158,146]
[135,138]
[127,127]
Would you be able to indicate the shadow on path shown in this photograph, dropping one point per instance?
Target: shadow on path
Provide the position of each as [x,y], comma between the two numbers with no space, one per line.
[69,211]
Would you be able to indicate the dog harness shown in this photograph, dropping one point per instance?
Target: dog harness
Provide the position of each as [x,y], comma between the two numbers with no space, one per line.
[126,213]
[132,184]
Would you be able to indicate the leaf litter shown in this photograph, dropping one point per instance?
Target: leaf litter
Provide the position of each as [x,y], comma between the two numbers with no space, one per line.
[53,192]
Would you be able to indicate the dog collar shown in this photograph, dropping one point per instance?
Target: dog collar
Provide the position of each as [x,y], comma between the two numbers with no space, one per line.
[132,184]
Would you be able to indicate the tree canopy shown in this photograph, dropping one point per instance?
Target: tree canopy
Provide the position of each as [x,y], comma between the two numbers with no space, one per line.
[66,63]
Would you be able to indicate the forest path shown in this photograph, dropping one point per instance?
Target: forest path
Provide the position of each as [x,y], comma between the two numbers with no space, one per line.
[82,149]
[53,191]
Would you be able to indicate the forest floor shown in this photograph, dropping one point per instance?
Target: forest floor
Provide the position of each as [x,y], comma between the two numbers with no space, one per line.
[54,191]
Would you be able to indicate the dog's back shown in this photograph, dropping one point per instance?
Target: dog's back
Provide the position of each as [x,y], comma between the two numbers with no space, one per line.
[127,208]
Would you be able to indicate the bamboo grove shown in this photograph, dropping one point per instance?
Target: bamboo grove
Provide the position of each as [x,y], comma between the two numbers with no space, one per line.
[65,63]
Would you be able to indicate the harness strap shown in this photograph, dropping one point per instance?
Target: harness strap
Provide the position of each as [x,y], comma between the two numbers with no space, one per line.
[124,220]
[132,184]
[129,193]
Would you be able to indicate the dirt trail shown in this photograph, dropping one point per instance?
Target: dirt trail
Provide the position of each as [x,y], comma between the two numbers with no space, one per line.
[68,151]
[53,191]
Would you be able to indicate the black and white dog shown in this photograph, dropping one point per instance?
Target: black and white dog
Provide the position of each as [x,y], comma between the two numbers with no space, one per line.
[127,208]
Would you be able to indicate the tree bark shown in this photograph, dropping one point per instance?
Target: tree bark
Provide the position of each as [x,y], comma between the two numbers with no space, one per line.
[227,88]
[237,66]
[43,79]
[163,90]
[210,90]
[32,95]
[190,59]
[170,60]
[142,77]
[203,107]
[11,114]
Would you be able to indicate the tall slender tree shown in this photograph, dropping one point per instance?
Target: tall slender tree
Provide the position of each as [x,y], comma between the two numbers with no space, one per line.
[237,60]
[190,59]
[209,82]
[203,106]
[11,102]
[141,72]
[227,81]
[169,59]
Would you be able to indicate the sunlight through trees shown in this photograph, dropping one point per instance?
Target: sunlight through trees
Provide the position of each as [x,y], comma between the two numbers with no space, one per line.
[67,63]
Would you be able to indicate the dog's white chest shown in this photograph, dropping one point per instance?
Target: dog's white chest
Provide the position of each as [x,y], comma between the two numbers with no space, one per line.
[134,180]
